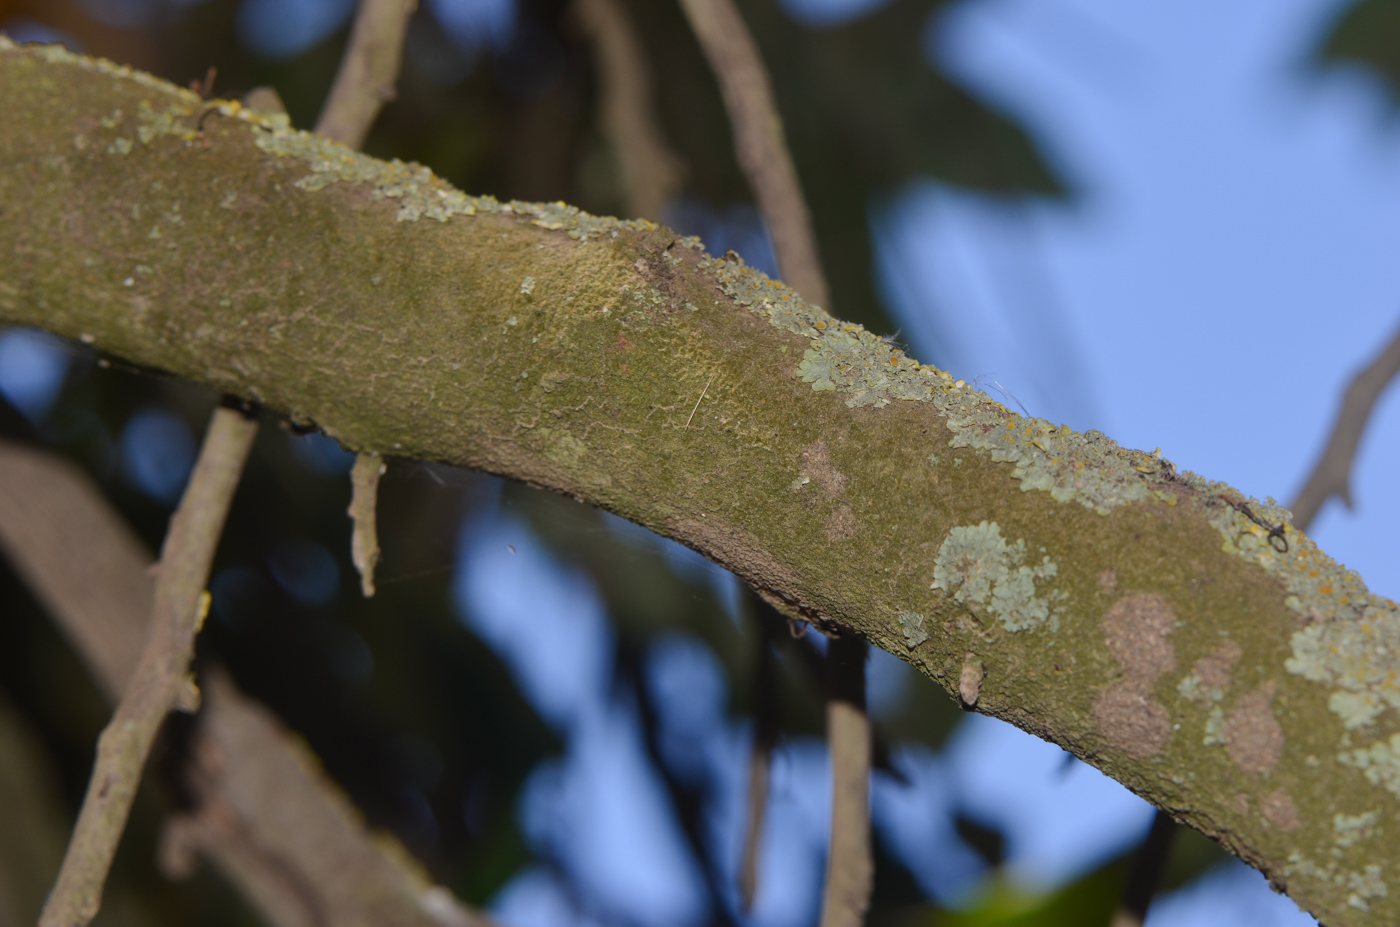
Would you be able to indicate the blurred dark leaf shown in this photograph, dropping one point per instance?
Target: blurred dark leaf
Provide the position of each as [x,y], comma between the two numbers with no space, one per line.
[1365,33]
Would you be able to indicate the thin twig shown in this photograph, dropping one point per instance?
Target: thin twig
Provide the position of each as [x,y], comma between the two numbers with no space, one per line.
[368,70]
[1332,474]
[850,869]
[701,399]
[1146,874]
[759,144]
[364,537]
[651,171]
[365,82]
[765,734]
[161,676]
[263,811]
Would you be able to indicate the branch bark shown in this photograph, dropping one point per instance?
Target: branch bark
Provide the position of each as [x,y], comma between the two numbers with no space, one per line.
[1184,639]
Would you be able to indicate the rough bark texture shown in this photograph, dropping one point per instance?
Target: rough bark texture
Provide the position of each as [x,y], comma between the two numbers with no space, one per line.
[1183,639]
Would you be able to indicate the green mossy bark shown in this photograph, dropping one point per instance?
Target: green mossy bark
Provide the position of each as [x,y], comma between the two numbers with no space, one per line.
[575,357]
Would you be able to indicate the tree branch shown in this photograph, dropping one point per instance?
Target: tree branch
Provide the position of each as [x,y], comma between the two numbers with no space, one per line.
[263,812]
[651,171]
[368,71]
[758,142]
[765,735]
[161,679]
[1182,638]
[850,870]
[1331,475]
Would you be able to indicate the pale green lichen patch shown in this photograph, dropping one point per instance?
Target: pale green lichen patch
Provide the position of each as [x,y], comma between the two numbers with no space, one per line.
[57,54]
[1380,762]
[1350,639]
[1352,829]
[911,625]
[1215,728]
[1087,468]
[984,573]
[1360,887]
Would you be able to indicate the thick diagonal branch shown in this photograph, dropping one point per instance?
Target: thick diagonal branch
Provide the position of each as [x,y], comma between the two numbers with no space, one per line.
[162,674]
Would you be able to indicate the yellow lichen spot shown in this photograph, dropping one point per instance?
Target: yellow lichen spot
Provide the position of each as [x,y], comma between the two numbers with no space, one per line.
[1325,590]
[819,325]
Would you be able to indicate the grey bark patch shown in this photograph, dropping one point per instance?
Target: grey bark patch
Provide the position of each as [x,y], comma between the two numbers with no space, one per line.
[816,466]
[1210,676]
[1131,719]
[1279,810]
[1137,630]
[841,526]
[1253,737]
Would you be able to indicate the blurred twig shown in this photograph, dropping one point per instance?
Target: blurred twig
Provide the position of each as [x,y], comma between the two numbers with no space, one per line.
[368,71]
[687,796]
[850,869]
[262,811]
[161,679]
[765,734]
[759,143]
[651,171]
[1146,874]
[1331,476]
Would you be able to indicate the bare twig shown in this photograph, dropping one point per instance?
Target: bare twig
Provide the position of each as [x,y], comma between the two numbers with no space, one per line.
[1332,474]
[651,171]
[262,810]
[162,674]
[364,538]
[1148,866]
[365,82]
[850,870]
[368,70]
[758,142]
[765,733]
